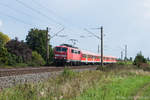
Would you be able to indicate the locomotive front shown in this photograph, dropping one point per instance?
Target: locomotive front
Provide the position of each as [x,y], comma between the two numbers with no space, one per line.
[60,55]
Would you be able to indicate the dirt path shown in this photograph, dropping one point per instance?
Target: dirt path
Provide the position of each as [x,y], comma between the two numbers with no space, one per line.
[138,94]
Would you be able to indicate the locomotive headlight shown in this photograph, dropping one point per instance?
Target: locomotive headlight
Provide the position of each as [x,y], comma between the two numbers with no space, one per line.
[64,55]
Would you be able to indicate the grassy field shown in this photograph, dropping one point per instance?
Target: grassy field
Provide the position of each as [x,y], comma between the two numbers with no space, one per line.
[122,83]
[116,89]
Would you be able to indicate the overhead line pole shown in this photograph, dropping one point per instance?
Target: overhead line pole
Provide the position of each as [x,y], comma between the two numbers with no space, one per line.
[125,52]
[101,38]
[98,48]
[121,55]
[47,45]
[48,38]
[102,46]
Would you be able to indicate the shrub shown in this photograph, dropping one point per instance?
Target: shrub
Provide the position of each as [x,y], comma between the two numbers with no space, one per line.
[3,55]
[121,63]
[139,59]
[20,49]
[12,59]
[7,58]
[37,59]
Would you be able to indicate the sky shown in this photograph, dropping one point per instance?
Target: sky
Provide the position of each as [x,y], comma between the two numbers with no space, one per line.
[125,22]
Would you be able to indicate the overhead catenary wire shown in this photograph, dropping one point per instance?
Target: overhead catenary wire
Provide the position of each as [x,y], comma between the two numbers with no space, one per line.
[20,20]
[92,33]
[57,33]
[24,22]
[39,12]
[16,10]
[49,10]
[16,19]
[56,15]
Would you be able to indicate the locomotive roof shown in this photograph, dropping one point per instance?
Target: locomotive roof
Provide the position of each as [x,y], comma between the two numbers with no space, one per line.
[68,45]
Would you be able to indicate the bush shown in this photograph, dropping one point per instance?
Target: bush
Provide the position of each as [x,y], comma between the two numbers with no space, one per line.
[12,59]
[3,55]
[121,63]
[7,58]
[20,49]
[139,60]
[37,59]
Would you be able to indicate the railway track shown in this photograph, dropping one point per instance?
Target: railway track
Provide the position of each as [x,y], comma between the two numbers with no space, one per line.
[33,70]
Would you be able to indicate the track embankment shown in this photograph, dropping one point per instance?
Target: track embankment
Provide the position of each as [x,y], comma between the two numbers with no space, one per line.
[12,77]
[34,70]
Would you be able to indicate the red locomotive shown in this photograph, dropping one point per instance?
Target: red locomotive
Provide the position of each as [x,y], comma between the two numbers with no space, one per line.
[67,54]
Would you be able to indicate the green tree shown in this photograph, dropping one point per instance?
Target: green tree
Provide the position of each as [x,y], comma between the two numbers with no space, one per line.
[139,59]
[20,49]
[148,59]
[3,51]
[130,59]
[37,59]
[36,40]
[3,39]
[3,55]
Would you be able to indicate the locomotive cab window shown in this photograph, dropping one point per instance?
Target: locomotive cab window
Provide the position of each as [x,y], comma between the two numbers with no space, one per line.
[60,49]
[72,51]
[64,49]
[75,51]
[78,52]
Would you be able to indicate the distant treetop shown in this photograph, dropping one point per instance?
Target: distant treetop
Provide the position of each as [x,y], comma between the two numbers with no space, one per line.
[3,38]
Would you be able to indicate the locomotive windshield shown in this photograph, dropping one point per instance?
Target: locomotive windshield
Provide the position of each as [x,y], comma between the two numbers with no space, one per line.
[60,49]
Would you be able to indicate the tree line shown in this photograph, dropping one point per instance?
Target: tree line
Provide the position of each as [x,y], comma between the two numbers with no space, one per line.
[32,52]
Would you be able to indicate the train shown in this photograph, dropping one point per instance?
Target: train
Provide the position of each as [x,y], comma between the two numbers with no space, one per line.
[66,54]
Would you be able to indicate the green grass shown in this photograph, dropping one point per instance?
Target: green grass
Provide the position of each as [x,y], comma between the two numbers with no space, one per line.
[125,62]
[145,93]
[115,89]
[18,65]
